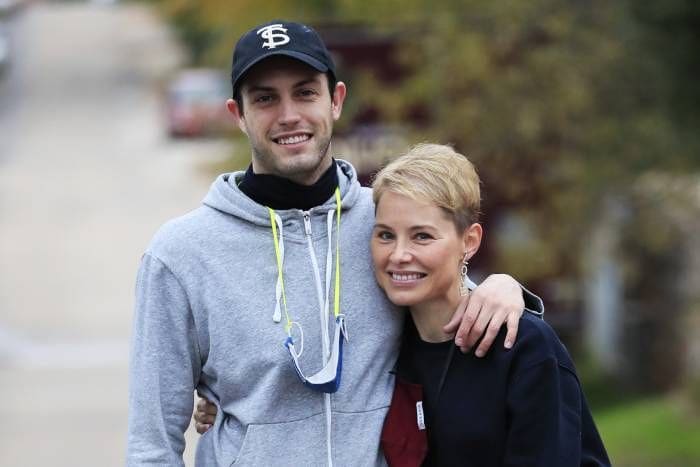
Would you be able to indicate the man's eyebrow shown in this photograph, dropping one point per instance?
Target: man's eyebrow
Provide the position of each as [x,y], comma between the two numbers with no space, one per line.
[260,88]
[304,82]
[263,88]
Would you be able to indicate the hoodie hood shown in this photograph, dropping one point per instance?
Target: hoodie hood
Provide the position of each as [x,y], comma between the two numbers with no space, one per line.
[225,196]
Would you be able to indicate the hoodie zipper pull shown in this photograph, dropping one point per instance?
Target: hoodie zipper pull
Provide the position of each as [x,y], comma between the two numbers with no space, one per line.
[307,223]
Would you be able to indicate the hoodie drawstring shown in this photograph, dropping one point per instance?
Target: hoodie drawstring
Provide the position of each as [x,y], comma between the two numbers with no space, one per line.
[277,315]
[277,224]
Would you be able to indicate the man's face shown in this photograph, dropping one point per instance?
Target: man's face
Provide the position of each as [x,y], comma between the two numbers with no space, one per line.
[288,115]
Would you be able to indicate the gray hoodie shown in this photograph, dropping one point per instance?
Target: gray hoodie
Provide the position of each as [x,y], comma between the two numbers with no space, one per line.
[205,299]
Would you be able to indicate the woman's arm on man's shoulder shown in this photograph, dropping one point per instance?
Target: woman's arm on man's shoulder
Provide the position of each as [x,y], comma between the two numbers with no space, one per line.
[498,300]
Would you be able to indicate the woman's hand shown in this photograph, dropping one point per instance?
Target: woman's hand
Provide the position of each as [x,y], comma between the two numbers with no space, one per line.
[204,415]
[497,300]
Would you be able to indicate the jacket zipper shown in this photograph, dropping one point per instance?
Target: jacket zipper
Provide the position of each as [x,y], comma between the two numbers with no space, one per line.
[324,328]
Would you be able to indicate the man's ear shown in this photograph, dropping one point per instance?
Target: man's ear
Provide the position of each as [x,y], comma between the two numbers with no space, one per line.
[237,113]
[471,239]
[338,99]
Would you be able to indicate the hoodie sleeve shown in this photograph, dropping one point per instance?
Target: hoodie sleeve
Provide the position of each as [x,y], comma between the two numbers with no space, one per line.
[164,368]
[533,303]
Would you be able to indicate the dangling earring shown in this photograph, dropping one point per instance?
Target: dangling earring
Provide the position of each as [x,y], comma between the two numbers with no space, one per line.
[463,289]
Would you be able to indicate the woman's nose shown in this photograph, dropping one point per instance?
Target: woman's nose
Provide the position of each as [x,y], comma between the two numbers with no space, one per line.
[400,254]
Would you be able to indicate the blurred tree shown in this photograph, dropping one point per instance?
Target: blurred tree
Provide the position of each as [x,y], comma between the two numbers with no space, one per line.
[209,28]
[559,103]
[562,105]
[672,35]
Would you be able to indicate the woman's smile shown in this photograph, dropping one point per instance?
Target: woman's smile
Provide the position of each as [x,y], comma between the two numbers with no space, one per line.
[406,278]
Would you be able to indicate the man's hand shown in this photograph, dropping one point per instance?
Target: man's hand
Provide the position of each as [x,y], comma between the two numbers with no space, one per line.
[496,300]
[204,415]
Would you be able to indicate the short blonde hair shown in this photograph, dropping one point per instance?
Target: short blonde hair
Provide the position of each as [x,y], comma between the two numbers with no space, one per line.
[436,174]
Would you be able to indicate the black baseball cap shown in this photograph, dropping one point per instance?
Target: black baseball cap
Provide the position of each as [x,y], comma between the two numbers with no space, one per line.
[279,37]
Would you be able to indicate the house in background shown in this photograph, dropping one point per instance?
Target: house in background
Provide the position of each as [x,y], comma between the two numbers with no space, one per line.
[642,298]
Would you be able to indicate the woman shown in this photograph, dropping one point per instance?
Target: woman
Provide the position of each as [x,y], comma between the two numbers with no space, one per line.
[518,407]
[522,406]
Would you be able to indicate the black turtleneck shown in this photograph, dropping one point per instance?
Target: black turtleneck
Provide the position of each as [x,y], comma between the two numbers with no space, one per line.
[281,193]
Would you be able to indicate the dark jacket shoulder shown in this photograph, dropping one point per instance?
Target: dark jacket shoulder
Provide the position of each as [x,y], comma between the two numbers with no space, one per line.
[538,342]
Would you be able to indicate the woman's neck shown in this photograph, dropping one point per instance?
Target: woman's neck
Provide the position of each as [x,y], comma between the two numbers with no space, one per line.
[430,318]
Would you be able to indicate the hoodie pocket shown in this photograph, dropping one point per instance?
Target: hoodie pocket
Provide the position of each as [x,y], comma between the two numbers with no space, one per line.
[301,442]
[356,438]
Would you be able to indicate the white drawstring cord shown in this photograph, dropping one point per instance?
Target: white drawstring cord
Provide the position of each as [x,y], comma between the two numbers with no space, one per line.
[301,340]
[329,268]
[277,315]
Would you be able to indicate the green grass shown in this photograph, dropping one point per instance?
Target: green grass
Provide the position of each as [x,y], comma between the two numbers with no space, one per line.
[653,432]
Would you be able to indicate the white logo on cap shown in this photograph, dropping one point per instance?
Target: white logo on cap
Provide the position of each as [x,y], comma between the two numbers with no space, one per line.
[274,34]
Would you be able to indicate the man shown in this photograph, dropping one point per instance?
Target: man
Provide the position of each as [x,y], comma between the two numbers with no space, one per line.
[235,298]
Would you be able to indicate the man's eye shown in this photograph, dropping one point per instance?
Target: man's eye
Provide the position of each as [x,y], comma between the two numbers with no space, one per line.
[307,93]
[263,99]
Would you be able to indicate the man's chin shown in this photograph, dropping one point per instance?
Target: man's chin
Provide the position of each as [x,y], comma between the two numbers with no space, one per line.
[300,172]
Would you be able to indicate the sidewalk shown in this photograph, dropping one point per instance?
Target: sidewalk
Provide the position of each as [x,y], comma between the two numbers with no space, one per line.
[87,174]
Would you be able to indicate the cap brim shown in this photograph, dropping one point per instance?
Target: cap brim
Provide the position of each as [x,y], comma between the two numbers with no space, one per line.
[308,59]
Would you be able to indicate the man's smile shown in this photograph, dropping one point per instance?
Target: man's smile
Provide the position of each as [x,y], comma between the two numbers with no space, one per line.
[292,139]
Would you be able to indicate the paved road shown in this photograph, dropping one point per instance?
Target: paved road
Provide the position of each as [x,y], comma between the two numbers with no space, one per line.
[86,176]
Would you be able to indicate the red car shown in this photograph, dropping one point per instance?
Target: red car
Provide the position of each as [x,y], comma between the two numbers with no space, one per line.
[196,104]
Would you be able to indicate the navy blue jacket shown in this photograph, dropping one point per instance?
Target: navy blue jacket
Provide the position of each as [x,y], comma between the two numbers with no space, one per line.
[518,407]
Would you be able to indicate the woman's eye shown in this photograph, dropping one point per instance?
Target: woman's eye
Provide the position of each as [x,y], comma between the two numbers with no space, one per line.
[384,235]
[423,236]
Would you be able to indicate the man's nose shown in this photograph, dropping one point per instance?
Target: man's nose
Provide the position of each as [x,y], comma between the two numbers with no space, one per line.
[289,112]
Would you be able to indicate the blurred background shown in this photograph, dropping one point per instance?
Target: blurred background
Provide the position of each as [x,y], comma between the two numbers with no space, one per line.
[581,117]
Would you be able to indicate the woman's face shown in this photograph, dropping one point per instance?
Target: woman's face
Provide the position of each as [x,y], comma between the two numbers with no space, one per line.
[417,251]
